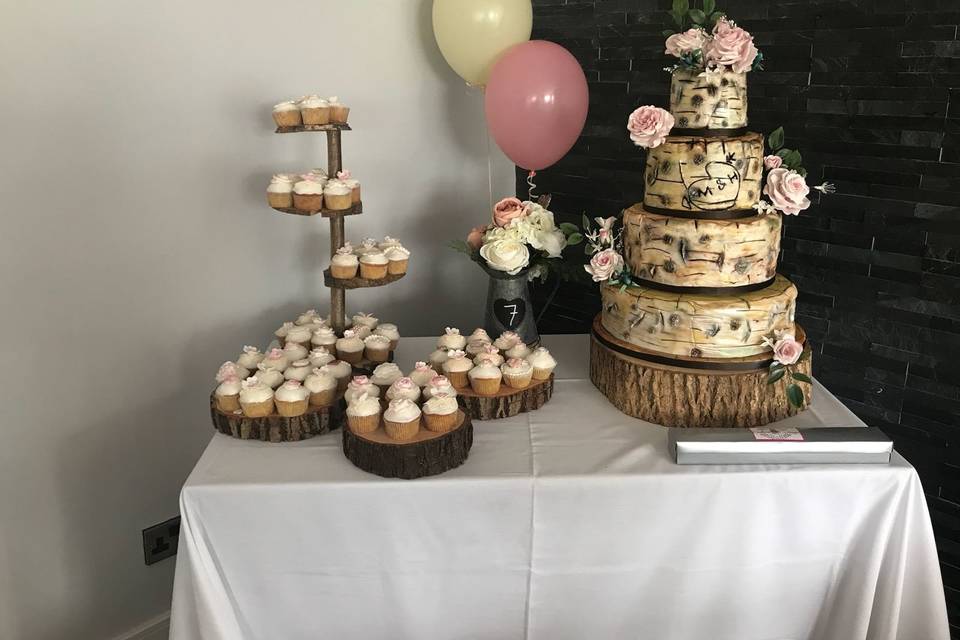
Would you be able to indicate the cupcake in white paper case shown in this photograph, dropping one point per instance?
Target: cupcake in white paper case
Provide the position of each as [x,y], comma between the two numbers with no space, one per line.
[385,375]
[506,340]
[456,367]
[397,258]
[324,337]
[437,357]
[451,339]
[347,178]
[249,358]
[401,420]
[322,386]
[308,194]
[298,370]
[365,319]
[359,385]
[376,348]
[339,112]
[517,373]
[350,347]
[314,110]
[269,376]
[230,369]
[363,414]
[287,114]
[294,351]
[390,331]
[256,398]
[299,334]
[543,363]
[280,192]
[439,385]
[337,195]
[227,394]
[440,413]
[320,356]
[490,354]
[344,263]
[373,265]
[291,399]
[422,374]
[404,388]
[275,359]
[485,378]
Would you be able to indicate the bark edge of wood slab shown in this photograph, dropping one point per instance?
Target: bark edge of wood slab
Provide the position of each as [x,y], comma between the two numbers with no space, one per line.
[275,428]
[507,402]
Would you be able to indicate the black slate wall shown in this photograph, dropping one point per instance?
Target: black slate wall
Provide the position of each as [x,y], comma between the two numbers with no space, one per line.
[869,91]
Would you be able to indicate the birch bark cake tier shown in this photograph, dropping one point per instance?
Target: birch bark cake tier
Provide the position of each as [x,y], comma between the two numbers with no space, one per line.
[699,325]
[705,174]
[700,100]
[688,252]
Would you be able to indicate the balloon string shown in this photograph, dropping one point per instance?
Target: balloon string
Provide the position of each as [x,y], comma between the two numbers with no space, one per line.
[531,184]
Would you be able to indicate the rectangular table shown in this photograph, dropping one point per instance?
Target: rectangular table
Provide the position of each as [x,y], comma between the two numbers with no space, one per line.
[568,522]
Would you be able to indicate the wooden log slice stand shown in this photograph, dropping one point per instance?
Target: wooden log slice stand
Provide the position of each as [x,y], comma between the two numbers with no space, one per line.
[673,392]
[275,428]
[507,402]
[427,454]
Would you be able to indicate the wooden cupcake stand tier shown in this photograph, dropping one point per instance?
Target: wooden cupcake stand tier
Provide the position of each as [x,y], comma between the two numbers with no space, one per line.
[427,454]
[276,428]
[686,392]
[507,402]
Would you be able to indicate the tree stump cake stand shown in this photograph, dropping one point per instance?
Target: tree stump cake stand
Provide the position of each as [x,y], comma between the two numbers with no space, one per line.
[276,428]
[427,454]
[507,402]
[685,392]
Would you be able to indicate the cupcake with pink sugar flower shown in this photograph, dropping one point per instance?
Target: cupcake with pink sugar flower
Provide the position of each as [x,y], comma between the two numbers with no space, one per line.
[347,178]
[404,388]
[422,374]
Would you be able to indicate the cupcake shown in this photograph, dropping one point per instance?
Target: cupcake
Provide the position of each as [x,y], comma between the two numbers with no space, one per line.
[485,379]
[338,111]
[322,387]
[359,385]
[350,347]
[365,320]
[437,357]
[317,172]
[227,394]
[390,331]
[324,337]
[475,347]
[440,413]
[299,334]
[519,350]
[308,195]
[280,192]
[298,370]
[385,375]
[543,363]
[291,399]
[422,374]
[250,358]
[336,194]
[397,260]
[373,266]
[387,242]
[363,414]
[342,371]
[362,331]
[451,339]
[231,370]
[401,420]
[376,348]
[256,398]
[353,183]
[344,263]
[517,373]
[479,335]
[367,245]
[320,356]
[489,354]
[314,110]
[404,388]
[281,333]
[269,376]
[275,359]
[456,367]
[439,385]
[307,317]
[287,114]
[294,350]
[506,340]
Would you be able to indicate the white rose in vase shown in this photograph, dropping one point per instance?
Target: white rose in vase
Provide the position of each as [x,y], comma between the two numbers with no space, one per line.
[506,254]
[552,241]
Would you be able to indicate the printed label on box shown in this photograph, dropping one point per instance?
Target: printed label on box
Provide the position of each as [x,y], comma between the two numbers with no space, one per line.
[766,433]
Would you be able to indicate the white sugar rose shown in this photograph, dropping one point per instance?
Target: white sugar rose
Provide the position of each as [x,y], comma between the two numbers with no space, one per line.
[649,126]
[550,240]
[730,46]
[604,265]
[787,191]
[689,40]
[506,255]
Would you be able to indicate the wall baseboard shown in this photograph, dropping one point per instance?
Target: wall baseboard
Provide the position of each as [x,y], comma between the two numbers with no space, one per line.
[157,628]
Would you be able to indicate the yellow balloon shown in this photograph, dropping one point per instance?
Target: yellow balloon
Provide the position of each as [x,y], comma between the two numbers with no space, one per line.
[472,33]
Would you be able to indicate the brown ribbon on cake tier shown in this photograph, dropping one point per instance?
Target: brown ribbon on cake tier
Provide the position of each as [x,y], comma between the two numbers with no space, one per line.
[708,133]
[710,291]
[726,214]
[709,365]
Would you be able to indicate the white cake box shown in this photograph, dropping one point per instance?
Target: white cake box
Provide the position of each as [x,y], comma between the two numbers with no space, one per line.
[771,445]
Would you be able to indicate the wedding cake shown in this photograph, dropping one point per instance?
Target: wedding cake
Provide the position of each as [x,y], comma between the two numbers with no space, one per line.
[696,327]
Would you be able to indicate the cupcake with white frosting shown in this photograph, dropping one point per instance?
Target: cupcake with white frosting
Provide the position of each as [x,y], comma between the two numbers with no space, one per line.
[347,178]
[362,331]
[387,242]
[307,317]
[275,359]
[322,386]
[280,192]
[367,245]
[287,114]
[437,357]
[376,348]
[291,399]
[440,413]
[363,414]
[404,388]
[517,373]
[227,394]
[543,363]
[373,266]
[342,371]
[339,112]
[389,330]
[475,347]
[308,195]
[519,350]
[324,337]
[506,340]
[485,379]
[298,370]
[365,320]
[439,385]
[281,333]
[256,398]
[385,375]
[320,356]
[318,172]
[490,354]
[456,367]
[230,369]
[350,347]
[479,334]
[344,263]
[451,339]
[422,374]
[298,334]
[314,110]
[294,351]
[337,195]
[397,258]
[401,420]
[249,358]
[360,385]
[269,376]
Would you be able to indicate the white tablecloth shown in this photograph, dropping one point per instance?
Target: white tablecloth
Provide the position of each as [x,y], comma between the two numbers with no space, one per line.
[569,522]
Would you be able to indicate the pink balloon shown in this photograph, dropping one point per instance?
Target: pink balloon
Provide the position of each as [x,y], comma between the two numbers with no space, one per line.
[536,103]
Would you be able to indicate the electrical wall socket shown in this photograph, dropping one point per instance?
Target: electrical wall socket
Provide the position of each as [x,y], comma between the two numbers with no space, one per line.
[160,540]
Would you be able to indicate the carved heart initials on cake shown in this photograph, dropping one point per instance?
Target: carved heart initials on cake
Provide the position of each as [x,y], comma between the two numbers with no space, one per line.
[715,191]
[510,313]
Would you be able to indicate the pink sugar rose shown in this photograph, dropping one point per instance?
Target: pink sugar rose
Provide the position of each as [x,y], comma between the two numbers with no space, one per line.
[772,162]
[604,265]
[649,126]
[730,46]
[475,237]
[689,40]
[787,191]
[787,350]
[506,210]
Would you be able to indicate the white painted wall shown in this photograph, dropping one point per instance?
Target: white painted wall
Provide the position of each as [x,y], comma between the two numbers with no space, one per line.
[137,251]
